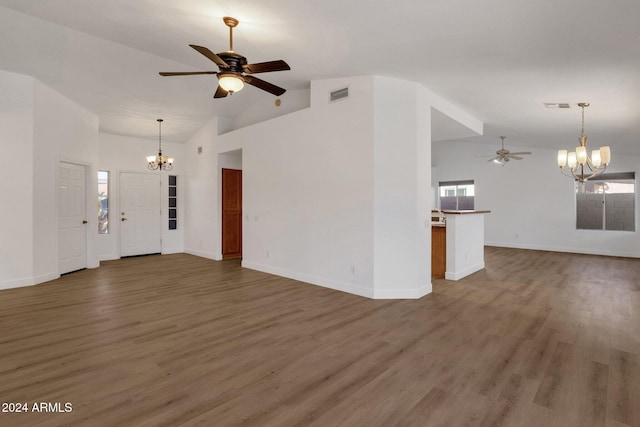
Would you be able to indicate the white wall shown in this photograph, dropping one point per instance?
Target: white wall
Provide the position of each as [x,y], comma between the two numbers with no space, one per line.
[307,187]
[62,131]
[16,180]
[323,187]
[265,108]
[117,153]
[532,205]
[202,232]
[40,128]
[309,191]
[402,160]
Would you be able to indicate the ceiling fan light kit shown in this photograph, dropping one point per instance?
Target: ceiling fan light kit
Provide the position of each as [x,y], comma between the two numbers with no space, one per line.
[234,70]
[575,161]
[230,82]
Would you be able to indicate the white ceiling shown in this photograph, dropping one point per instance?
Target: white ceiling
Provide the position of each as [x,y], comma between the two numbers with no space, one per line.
[499,60]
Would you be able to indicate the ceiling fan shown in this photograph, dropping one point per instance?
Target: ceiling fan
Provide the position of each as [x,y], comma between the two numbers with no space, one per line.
[234,71]
[503,155]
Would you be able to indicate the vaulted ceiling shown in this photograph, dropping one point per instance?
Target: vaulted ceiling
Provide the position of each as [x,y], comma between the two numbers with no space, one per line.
[499,60]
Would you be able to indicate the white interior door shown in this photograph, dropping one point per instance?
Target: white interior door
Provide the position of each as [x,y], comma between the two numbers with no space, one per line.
[72,218]
[140,226]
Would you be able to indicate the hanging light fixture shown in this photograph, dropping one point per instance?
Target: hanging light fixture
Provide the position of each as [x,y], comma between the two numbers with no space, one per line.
[231,82]
[161,162]
[576,161]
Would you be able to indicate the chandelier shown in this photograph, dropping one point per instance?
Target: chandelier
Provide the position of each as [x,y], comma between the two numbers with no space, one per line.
[580,165]
[161,162]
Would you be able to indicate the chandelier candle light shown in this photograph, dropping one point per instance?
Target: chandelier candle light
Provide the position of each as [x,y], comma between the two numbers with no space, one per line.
[577,160]
[161,162]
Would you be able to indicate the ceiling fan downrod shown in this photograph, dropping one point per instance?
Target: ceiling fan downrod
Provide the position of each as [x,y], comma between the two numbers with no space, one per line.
[231,23]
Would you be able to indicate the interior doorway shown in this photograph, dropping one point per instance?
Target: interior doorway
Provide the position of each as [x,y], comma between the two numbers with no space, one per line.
[72,218]
[231,213]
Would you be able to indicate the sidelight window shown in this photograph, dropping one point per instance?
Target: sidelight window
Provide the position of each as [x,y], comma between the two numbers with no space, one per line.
[103,202]
[173,202]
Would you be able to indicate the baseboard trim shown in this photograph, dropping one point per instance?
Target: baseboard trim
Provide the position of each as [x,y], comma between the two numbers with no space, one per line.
[28,281]
[203,254]
[463,273]
[407,293]
[170,251]
[564,249]
[313,280]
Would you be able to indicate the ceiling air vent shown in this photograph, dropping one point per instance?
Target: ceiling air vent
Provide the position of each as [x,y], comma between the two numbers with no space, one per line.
[339,94]
[557,105]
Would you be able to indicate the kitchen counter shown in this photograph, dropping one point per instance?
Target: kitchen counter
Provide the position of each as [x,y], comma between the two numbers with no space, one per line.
[462,249]
[464,212]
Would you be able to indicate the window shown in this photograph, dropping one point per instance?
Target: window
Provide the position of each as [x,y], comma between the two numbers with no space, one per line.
[103,202]
[457,195]
[607,203]
[173,202]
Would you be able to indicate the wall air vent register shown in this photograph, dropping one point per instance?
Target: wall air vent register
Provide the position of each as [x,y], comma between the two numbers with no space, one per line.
[339,94]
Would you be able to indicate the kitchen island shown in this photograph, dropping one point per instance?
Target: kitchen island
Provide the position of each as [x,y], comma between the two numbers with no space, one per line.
[461,249]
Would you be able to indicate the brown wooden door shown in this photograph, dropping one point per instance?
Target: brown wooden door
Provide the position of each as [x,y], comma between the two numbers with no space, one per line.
[438,251]
[231,213]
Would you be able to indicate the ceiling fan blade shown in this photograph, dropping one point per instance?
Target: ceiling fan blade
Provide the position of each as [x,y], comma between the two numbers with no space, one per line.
[494,158]
[265,67]
[515,157]
[486,155]
[220,93]
[212,56]
[186,73]
[521,153]
[261,84]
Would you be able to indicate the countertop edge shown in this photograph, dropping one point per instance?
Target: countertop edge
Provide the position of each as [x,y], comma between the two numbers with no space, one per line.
[469,212]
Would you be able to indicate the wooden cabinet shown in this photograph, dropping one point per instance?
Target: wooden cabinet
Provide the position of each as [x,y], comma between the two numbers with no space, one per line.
[438,251]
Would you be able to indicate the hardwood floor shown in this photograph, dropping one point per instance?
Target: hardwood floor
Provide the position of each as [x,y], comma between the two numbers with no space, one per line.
[535,339]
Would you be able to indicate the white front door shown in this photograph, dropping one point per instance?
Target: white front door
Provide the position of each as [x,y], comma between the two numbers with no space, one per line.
[72,218]
[140,229]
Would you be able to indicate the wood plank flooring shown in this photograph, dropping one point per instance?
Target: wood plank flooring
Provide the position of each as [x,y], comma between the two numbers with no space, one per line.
[535,339]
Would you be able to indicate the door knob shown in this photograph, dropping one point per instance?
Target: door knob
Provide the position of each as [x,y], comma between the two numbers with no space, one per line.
[123,219]
[84,221]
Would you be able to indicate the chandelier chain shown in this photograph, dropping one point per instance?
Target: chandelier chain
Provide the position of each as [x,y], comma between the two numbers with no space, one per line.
[160,162]
[160,134]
